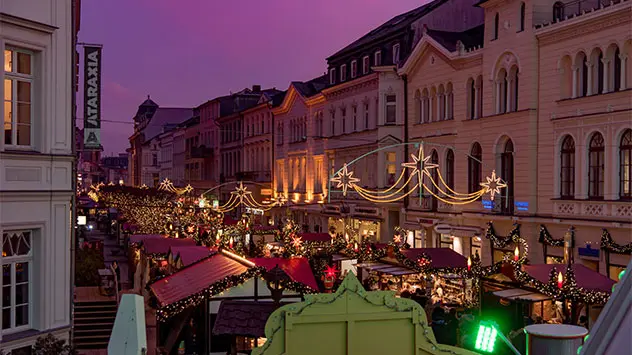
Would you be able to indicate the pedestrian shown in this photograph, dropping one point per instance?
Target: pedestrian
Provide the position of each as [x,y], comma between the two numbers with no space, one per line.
[452,326]
[117,272]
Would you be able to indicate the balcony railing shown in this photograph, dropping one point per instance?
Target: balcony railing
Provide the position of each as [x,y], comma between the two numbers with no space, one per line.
[600,209]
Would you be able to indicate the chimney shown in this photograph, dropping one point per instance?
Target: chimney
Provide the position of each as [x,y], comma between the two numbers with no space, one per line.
[256,88]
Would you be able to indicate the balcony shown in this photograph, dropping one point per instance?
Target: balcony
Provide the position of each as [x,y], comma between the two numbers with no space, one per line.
[593,209]
[256,176]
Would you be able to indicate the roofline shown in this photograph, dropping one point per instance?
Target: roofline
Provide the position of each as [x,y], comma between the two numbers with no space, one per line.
[415,55]
[547,28]
[346,84]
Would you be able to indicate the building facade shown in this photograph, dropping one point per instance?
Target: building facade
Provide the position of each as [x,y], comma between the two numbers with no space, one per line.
[36,160]
[525,96]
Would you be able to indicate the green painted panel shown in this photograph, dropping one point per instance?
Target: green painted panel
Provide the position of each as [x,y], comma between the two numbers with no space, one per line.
[349,322]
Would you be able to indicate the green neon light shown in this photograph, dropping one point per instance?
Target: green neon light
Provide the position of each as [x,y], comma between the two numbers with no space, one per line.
[486,338]
[621,274]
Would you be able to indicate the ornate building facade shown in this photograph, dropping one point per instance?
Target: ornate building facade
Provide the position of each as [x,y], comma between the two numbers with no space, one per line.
[526,97]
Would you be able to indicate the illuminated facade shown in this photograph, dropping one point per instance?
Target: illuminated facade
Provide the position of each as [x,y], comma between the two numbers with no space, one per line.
[546,108]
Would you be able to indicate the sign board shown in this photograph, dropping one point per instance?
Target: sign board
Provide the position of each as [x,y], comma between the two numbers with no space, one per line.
[266,192]
[254,211]
[92,97]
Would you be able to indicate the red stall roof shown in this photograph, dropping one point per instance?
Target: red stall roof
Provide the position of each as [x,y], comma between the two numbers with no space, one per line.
[162,245]
[315,237]
[297,269]
[195,278]
[191,254]
[585,277]
[441,257]
[139,238]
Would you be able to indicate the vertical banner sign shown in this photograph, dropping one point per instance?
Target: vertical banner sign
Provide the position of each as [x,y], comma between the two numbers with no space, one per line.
[92,97]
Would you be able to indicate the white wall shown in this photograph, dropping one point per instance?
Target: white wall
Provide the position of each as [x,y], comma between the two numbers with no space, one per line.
[36,183]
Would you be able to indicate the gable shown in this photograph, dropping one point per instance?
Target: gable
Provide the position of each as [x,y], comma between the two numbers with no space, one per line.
[389,140]
[289,100]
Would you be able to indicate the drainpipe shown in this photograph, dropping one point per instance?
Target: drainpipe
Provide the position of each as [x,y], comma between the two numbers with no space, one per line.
[405,78]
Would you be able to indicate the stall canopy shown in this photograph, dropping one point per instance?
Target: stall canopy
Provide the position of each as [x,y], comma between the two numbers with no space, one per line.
[315,237]
[387,268]
[190,254]
[245,318]
[139,238]
[195,278]
[517,294]
[585,277]
[441,257]
[297,269]
[162,245]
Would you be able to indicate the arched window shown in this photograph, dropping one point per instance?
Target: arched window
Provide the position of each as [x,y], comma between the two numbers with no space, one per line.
[600,73]
[558,11]
[419,107]
[449,102]
[567,168]
[434,173]
[616,70]
[449,169]
[501,91]
[514,88]
[474,168]
[507,174]
[522,16]
[425,106]
[596,166]
[584,74]
[496,24]
[471,88]
[625,165]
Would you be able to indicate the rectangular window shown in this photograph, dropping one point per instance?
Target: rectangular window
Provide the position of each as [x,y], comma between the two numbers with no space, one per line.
[377,58]
[333,122]
[154,159]
[391,109]
[16,280]
[332,167]
[343,72]
[355,118]
[396,53]
[354,69]
[332,76]
[365,64]
[344,120]
[18,94]
[366,116]
[391,168]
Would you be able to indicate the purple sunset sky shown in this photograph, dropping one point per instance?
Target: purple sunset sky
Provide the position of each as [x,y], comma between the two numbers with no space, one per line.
[185,52]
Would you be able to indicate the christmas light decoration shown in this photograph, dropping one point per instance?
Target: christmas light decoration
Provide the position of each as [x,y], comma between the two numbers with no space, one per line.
[427,180]
[609,245]
[547,239]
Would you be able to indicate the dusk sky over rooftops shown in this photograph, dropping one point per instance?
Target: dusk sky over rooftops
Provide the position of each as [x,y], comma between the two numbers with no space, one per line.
[183,53]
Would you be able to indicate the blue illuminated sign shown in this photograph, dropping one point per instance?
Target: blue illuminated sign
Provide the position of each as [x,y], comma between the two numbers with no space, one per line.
[488,204]
[522,206]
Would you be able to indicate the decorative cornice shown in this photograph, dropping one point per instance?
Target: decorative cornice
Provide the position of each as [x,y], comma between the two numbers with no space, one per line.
[26,23]
[356,84]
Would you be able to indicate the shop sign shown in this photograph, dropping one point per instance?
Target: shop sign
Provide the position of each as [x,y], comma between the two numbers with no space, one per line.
[254,211]
[488,204]
[266,192]
[92,98]
[522,206]
[588,251]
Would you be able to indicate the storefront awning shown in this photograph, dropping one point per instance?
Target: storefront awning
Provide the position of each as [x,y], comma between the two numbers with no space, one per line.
[387,268]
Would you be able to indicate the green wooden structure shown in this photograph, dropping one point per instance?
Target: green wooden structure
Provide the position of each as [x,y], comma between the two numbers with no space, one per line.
[352,321]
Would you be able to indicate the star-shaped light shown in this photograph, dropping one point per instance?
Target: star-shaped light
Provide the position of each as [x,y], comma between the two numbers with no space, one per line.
[420,165]
[493,185]
[297,242]
[344,178]
[281,200]
[241,191]
[397,238]
[331,271]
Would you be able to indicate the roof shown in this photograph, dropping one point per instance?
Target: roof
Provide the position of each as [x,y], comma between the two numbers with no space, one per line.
[245,318]
[195,278]
[311,87]
[139,238]
[470,38]
[441,257]
[297,269]
[190,254]
[315,237]
[585,277]
[165,117]
[162,245]
[393,25]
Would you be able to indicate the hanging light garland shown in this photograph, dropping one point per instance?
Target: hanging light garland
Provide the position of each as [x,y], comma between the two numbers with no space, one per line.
[422,178]
[547,239]
[609,245]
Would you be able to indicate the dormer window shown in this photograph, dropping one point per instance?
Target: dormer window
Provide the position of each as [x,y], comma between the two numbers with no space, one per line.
[396,53]
[343,72]
[332,76]
[354,69]
[365,64]
[377,60]
[558,11]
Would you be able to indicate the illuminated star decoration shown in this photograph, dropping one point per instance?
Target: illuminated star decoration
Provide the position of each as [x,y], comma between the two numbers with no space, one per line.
[241,191]
[281,200]
[297,242]
[331,271]
[344,178]
[493,185]
[420,165]
[397,238]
